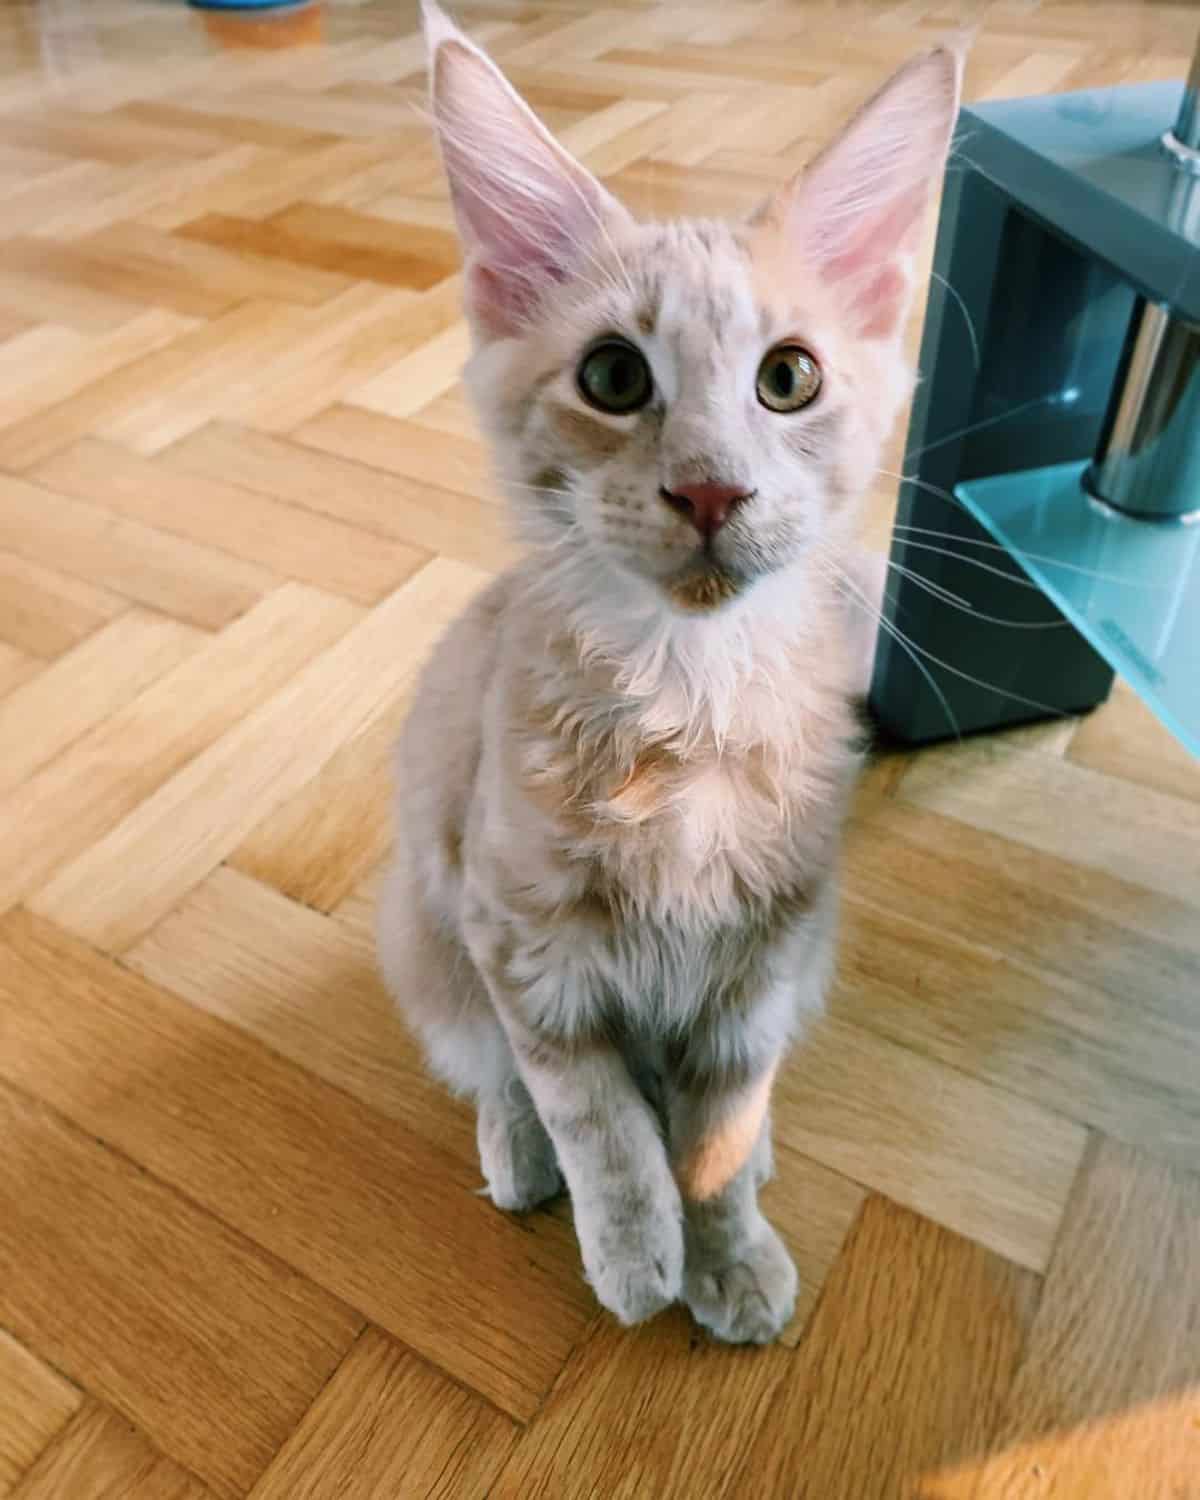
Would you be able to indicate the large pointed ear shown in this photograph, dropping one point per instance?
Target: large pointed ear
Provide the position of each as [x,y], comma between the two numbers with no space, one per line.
[855,213]
[528,213]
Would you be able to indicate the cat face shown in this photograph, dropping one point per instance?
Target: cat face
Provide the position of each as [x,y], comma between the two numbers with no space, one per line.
[688,407]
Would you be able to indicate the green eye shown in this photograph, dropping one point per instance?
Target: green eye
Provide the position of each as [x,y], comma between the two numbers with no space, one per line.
[615,377]
[788,378]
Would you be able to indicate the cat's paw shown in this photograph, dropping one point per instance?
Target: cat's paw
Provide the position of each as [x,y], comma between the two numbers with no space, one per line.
[749,1300]
[636,1269]
[517,1158]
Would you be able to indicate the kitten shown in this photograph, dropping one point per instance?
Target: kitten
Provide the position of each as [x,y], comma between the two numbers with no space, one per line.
[612,905]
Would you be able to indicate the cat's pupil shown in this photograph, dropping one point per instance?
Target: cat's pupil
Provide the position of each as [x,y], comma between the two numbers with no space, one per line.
[620,376]
[785,379]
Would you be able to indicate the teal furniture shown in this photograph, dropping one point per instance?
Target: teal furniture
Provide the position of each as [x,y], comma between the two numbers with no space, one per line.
[1053,457]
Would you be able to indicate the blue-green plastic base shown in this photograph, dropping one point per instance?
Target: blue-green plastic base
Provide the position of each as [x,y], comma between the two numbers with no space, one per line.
[1132,587]
[1057,214]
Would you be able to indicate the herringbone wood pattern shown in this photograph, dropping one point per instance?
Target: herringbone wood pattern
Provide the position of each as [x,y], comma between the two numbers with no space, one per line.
[240,494]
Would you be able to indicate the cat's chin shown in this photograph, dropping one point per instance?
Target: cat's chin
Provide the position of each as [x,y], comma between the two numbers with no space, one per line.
[704,588]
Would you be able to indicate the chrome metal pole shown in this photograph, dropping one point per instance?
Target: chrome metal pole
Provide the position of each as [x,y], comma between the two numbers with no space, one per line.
[1147,463]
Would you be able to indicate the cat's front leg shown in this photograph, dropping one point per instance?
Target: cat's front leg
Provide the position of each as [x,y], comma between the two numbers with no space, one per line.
[628,1214]
[739,1280]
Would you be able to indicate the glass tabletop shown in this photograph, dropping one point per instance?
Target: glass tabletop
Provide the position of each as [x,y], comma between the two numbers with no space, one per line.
[1131,587]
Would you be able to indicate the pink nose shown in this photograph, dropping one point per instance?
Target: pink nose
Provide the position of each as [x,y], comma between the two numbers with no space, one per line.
[707,506]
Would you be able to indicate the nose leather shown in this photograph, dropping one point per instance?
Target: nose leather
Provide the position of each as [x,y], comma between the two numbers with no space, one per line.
[707,505]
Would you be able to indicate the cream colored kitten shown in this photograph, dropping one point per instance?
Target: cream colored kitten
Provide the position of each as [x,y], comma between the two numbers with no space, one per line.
[620,788]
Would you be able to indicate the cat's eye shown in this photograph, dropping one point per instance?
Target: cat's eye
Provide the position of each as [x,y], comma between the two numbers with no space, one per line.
[788,378]
[615,377]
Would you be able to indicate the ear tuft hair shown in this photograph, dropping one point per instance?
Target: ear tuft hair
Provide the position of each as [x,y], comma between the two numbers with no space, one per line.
[527,212]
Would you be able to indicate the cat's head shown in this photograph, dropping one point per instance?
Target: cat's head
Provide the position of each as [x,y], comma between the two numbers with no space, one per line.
[686,407]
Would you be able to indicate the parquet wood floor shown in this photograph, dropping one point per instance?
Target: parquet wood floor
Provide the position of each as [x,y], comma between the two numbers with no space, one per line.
[240,495]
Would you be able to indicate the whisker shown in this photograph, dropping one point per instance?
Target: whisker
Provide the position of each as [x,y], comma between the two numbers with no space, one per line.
[956,602]
[1004,416]
[1038,557]
[839,574]
[1050,710]
[962,307]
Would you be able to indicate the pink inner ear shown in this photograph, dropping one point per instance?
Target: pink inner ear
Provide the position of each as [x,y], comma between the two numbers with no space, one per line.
[871,261]
[525,209]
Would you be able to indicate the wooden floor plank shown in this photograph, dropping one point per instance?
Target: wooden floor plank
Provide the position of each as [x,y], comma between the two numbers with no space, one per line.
[128,402]
[906,1365]
[35,1404]
[1065,1044]
[376,1215]
[1124,739]
[101,1457]
[173,839]
[973,1157]
[346,486]
[402,447]
[194,583]
[84,686]
[44,612]
[322,842]
[1005,792]
[388,1424]
[310,988]
[16,667]
[99,356]
[152,1304]
[658,1411]
[80,796]
[1107,1400]
[216,512]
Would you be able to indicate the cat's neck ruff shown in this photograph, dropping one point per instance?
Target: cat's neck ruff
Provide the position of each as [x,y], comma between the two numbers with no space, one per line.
[751,673]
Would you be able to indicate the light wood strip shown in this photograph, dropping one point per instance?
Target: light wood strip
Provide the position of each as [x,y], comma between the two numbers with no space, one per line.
[183,578]
[267,182]
[1106,1403]
[203,359]
[813,1209]
[170,841]
[404,448]
[340,485]
[92,360]
[322,842]
[158,1309]
[1124,739]
[375,1215]
[418,378]
[388,1424]
[290,542]
[344,344]
[212,381]
[970,1156]
[44,612]
[1007,793]
[84,686]
[655,1411]
[35,1403]
[102,1457]
[1065,1044]
[906,1366]
[90,787]
[1086,923]
[310,988]
[15,668]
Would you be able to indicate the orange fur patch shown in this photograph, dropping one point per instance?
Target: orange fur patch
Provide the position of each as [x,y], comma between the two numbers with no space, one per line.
[717,1157]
